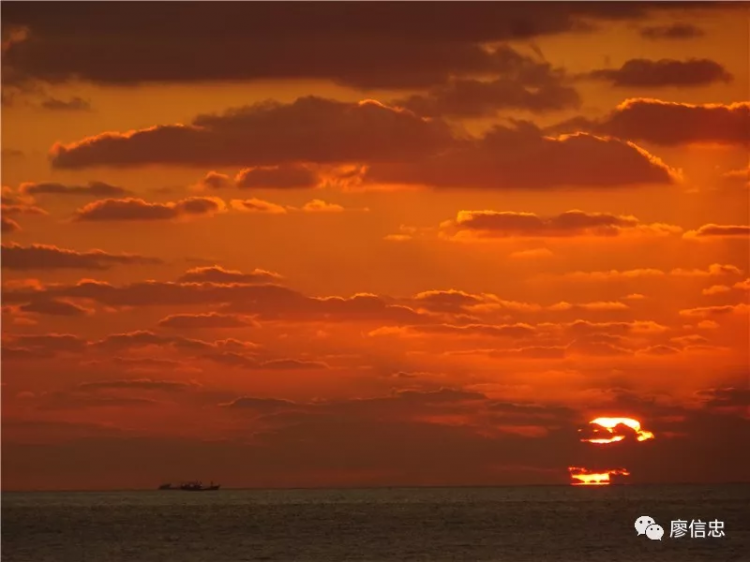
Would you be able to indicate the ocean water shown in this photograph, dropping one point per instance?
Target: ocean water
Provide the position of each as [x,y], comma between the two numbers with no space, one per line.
[515,524]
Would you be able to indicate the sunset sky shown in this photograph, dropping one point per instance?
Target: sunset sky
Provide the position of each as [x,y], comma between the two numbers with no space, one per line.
[363,244]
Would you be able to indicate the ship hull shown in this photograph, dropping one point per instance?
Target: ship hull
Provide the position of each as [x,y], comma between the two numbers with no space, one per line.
[189,489]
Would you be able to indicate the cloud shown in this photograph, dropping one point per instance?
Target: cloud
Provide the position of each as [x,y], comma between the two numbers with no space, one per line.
[291,365]
[94,189]
[592,336]
[9,197]
[55,307]
[523,83]
[508,157]
[232,359]
[594,345]
[261,206]
[261,405]
[533,253]
[46,344]
[678,31]
[644,73]
[382,47]
[494,224]
[41,256]
[615,274]
[495,331]
[257,206]
[397,146]
[692,339]
[447,301]
[659,350]
[22,209]
[713,311]
[277,177]
[73,104]
[145,363]
[217,274]
[461,433]
[671,123]
[727,397]
[27,347]
[712,270]
[737,177]
[216,180]
[14,204]
[719,231]
[9,225]
[270,302]
[400,403]
[596,305]
[584,327]
[267,134]
[462,303]
[716,290]
[136,384]
[634,296]
[743,285]
[228,352]
[72,401]
[143,338]
[206,321]
[320,206]
[132,209]
[531,352]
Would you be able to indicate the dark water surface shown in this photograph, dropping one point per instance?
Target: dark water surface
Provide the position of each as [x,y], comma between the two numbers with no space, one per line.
[520,524]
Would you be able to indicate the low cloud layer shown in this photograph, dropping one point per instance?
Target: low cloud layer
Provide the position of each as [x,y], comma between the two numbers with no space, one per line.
[508,158]
[524,83]
[671,123]
[93,189]
[41,257]
[494,224]
[675,31]
[397,146]
[268,134]
[132,209]
[708,231]
[644,73]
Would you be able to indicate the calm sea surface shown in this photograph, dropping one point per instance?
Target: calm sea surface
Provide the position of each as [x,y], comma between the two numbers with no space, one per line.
[532,524]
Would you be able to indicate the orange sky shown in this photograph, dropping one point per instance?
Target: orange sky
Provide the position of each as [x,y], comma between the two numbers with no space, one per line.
[331,244]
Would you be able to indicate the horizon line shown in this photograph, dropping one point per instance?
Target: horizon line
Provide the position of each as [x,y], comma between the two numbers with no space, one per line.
[388,487]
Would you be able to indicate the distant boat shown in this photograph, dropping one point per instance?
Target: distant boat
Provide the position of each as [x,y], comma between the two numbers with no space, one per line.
[191,487]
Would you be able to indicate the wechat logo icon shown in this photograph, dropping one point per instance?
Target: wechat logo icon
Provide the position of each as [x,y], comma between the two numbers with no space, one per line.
[646,525]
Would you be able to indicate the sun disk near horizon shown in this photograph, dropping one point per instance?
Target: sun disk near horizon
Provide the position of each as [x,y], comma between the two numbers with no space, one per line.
[585,477]
[609,424]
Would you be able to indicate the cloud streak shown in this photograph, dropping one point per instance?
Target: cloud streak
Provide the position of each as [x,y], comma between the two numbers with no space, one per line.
[645,73]
[48,257]
[267,134]
[131,209]
[93,189]
[710,231]
[671,123]
[494,224]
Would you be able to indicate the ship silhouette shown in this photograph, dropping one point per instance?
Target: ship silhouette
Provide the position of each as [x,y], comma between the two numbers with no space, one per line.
[193,486]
